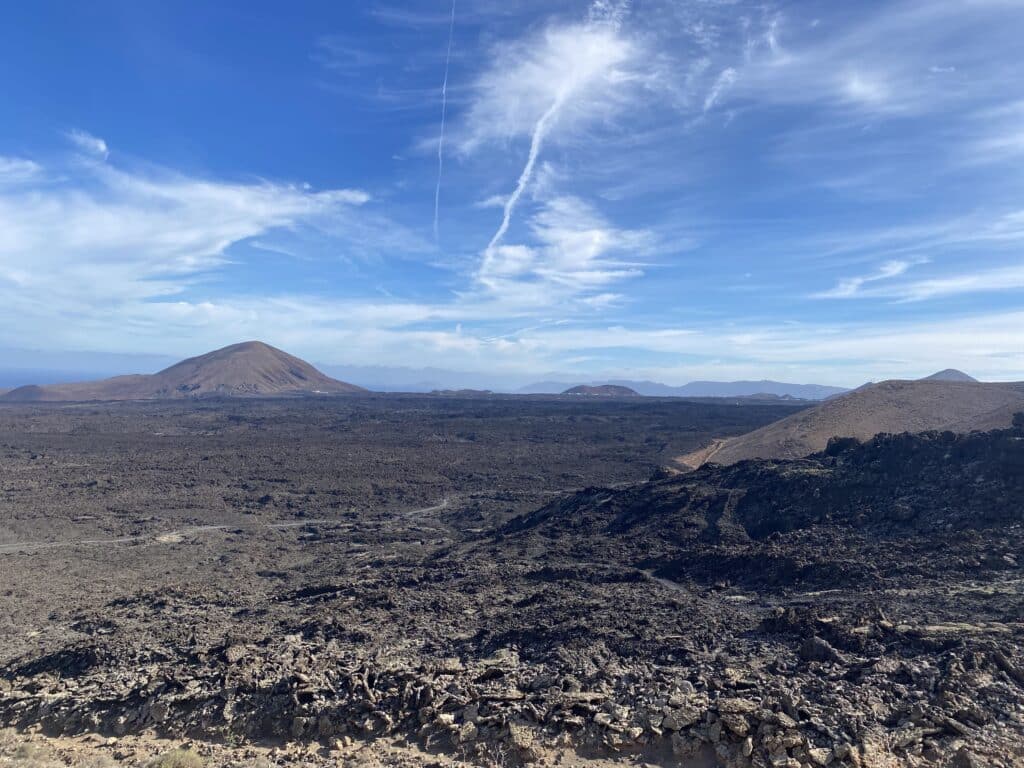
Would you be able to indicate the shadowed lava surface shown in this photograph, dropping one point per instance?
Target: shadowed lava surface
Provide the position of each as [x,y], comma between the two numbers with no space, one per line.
[860,607]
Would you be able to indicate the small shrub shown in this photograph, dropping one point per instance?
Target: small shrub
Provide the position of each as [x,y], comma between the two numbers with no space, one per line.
[28,752]
[1018,420]
[177,758]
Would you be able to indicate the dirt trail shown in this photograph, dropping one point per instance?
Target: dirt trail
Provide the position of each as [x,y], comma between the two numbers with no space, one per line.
[178,534]
[696,459]
[443,504]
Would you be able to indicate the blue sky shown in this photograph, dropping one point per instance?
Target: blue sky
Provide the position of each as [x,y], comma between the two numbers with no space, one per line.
[828,192]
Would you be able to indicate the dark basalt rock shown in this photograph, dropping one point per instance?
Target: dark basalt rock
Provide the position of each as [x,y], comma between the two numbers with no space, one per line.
[860,607]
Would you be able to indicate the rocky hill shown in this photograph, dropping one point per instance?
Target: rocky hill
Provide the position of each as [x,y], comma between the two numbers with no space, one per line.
[601,390]
[949,374]
[768,520]
[247,369]
[856,522]
[890,406]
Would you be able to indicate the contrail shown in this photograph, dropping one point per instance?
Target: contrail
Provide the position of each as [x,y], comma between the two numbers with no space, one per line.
[609,12]
[444,109]
[539,132]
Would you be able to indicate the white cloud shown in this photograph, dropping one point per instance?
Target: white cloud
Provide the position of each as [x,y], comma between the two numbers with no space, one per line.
[721,84]
[996,134]
[583,68]
[89,143]
[989,280]
[998,147]
[992,239]
[984,281]
[863,88]
[565,78]
[577,252]
[552,86]
[97,243]
[851,287]
[494,201]
[1001,231]
[162,225]
[987,345]
[16,170]
[346,55]
[874,62]
[603,301]
[361,333]
[99,255]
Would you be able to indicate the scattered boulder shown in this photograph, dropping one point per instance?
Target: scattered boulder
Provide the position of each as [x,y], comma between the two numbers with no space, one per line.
[817,649]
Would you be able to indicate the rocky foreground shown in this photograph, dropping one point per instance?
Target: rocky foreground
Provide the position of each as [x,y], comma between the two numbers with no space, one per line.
[861,607]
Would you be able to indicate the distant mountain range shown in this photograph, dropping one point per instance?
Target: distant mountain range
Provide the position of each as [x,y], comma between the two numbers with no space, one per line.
[702,389]
[398,379]
[385,378]
[26,375]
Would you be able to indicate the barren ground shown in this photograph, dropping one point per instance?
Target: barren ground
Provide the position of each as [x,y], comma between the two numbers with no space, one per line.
[174,526]
[498,581]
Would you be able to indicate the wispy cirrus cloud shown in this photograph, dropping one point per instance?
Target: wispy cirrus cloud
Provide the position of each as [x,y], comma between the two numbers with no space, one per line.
[721,84]
[582,69]
[632,171]
[996,134]
[88,143]
[158,225]
[882,285]
[87,239]
[16,170]
[907,58]
[990,241]
[997,280]
[346,55]
[997,232]
[853,287]
[546,87]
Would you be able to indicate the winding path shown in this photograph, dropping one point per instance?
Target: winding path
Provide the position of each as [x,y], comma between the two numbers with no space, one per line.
[176,535]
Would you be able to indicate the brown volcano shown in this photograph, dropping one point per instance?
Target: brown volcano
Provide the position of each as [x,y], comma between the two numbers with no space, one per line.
[889,406]
[248,369]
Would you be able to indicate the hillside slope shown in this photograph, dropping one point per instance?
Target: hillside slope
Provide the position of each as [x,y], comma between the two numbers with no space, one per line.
[803,519]
[890,406]
[247,369]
